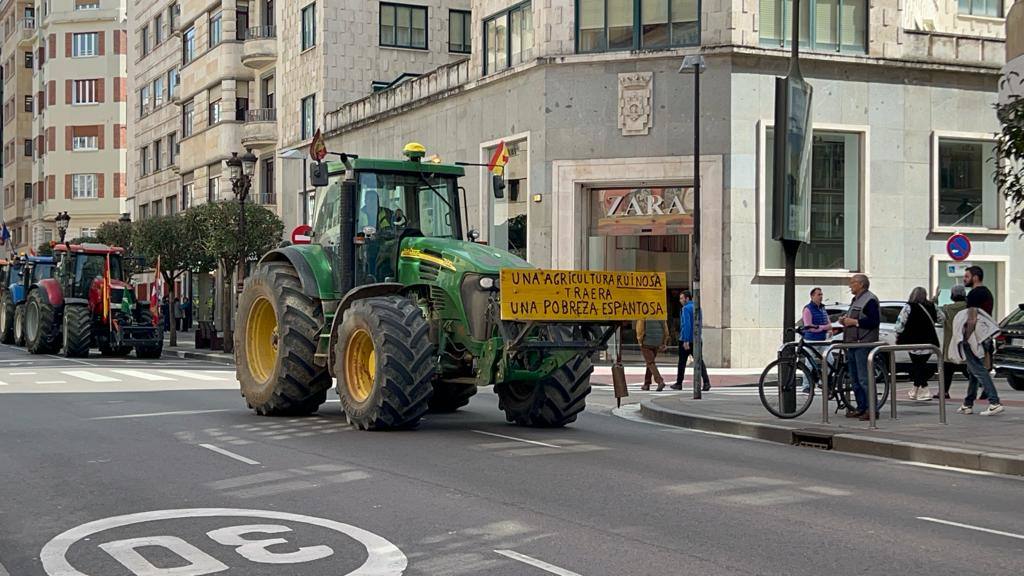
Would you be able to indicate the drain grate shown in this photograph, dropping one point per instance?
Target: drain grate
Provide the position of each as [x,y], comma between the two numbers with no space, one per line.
[813,438]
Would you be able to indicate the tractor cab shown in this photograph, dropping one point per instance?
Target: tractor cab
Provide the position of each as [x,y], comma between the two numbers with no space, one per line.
[82,268]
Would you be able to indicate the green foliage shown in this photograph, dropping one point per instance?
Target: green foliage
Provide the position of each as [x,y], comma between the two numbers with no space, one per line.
[172,240]
[121,234]
[220,239]
[44,249]
[1009,173]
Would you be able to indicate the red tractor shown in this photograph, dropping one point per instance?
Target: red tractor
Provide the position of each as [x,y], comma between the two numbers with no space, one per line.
[90,304]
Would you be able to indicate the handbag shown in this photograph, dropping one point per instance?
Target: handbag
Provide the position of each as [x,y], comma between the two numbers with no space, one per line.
[619,371]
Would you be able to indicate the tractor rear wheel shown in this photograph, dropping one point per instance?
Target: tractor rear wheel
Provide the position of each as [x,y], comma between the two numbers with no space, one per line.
[7,318]
[384,362]
[77,331]
[19,325]
[449,397]
[42,333]
[155,349]
[275,344]
[549,402]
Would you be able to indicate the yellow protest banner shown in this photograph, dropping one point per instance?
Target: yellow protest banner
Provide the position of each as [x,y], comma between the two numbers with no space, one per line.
[582,295]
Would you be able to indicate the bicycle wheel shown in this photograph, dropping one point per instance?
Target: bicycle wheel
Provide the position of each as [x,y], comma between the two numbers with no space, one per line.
[883,382]
[781,388]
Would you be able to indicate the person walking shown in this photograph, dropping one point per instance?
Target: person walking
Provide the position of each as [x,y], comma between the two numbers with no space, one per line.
[178,313]
[686,327]
[916,325]
[958,295]
[165,313]
[652,335]
[816,324]
[186,306]
[972,329]
[860,324]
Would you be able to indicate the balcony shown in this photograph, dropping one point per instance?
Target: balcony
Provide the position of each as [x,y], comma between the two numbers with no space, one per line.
[260,129]
[26,30]
[260,46]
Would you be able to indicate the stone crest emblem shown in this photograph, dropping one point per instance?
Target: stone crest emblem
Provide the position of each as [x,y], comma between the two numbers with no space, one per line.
[635,103]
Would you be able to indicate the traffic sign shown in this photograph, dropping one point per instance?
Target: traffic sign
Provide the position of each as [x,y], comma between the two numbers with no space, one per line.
[958,247]
[302,234]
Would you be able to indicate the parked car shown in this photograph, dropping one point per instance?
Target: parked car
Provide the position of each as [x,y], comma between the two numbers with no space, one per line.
[1008,360]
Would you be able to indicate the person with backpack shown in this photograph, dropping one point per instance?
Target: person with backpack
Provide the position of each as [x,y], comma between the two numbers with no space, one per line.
[916,325]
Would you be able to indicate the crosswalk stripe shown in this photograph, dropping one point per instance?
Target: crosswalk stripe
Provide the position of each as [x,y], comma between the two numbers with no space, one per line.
[193,375]
[142,375]
[90,376]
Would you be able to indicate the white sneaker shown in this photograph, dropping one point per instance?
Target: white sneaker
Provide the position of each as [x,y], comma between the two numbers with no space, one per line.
[992,410]
[923,393]
[912,393]
[966,410]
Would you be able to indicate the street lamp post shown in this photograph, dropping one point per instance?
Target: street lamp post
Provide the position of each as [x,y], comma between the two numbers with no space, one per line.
[241,170]
[62,221]
[694,64]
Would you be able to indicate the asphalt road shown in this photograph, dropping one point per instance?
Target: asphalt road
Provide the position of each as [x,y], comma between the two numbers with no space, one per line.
[115,468]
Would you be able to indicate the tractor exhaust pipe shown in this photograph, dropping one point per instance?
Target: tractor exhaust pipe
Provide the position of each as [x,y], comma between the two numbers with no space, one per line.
[347,246]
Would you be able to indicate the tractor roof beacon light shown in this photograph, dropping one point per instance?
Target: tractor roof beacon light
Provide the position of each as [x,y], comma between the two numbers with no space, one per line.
[414,151]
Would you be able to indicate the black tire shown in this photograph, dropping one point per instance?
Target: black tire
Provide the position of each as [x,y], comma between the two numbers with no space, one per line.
[19,324]
[1016,381]
[118,352]
[549,402]
[42,332]
[883,383]
[7,318]
[400,384]
[294,384]
[450,397]
[77,331]
[156,349]
[772,388]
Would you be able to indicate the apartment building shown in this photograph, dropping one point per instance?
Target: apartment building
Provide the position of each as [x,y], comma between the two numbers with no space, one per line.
[589,97]
[65,142]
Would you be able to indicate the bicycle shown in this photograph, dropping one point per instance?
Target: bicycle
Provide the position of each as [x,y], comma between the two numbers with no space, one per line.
[792,377]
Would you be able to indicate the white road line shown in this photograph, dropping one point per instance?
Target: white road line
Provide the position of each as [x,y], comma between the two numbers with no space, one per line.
[193,375]
[969,527]
[3,384]
[22,373]
[72,360]
[176,413]
[3,571]
[90,376]
[52,382]
[550,568]
[534,442]
[949,468]
[141,375]
[230,454]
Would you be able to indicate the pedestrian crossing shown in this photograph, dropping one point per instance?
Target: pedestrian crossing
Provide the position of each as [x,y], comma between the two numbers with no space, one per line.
[755,491]
[118,375]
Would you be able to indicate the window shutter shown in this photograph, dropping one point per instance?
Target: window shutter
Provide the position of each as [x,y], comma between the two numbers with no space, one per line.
[825,17]
[99,43]
[853,23]
[685,10]
[620,13]
[769,19]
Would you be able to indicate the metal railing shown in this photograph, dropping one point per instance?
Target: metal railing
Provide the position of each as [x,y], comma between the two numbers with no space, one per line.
[825,368]
[930,348]
[261,32]
[261,115]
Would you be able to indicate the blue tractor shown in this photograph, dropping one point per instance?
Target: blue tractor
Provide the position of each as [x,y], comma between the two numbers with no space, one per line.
[18,278]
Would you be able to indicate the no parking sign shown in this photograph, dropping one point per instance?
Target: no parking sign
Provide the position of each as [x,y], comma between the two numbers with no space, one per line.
[958,247]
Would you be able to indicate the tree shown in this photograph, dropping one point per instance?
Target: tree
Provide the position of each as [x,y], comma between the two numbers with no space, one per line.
[121,234]
[44,249]
[1009,172]
[218,234]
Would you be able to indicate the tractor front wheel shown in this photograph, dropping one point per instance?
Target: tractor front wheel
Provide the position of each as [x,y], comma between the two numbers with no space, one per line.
[552,401]
[77,331]
[384,362]
[275,344]
[42,333]
[19,325]
[155,349]
[7,318]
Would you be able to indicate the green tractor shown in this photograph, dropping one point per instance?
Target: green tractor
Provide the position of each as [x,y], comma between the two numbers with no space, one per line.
[390,300]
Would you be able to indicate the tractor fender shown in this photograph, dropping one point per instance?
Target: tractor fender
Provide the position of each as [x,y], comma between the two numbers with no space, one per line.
[312,266]
[358,293]
[53,292]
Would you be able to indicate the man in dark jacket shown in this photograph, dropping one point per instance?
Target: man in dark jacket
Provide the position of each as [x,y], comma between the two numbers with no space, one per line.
[860,325]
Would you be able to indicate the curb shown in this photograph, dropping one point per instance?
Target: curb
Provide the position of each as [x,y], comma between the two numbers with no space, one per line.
[218,358]
[843,442]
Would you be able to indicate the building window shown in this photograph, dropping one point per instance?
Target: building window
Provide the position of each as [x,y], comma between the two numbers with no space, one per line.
[172,148]
[158,29]
[508,38]
[213,189]
[84,92]
[143,211]
[28,60]
[188,45]
[84,143]
[144,39]
[403,26]
[241,20]
[268,196]
[268,91]
[186,195]
[29,103]
[80,5]
[216,20]
[172,82]
[144,161]
[309,26]
[825,25]
[308,116]
[27,193]
[172,205]
[989,8]
[967,194]
[188,117]
[158,91]
[173,14]
[83,186]
[214,112]
[459,31]
[28,147]
[604,25]
[157,209]
[84,44]
[157,145]
[836,205]
[143,101]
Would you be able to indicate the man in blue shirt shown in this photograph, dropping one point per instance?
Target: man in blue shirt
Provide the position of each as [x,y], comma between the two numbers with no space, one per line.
[686,326]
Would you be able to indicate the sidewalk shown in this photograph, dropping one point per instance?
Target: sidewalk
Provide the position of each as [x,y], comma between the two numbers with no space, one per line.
[186,348]
[993,444]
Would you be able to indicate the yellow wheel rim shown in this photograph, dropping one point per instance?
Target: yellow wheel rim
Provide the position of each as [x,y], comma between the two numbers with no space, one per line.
[261,340]
[360,365]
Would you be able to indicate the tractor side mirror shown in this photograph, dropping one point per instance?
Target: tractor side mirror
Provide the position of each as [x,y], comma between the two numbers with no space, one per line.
[318,174]
[499,186]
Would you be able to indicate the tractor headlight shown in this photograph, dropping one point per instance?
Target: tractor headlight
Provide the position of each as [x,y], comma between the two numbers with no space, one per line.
[488,283]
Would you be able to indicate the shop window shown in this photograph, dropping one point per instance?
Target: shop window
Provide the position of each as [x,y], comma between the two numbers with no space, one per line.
[403,26]
[509,223]
[836,205]
[967,196]
[604,25]
[508,38]
[825,25]
[989,8]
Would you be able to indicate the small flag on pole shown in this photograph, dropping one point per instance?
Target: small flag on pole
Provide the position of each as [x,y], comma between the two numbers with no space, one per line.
[499,159]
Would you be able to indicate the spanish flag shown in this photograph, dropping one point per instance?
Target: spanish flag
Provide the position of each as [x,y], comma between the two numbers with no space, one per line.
[499,159]
[106,290]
